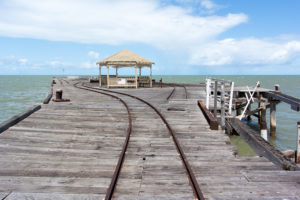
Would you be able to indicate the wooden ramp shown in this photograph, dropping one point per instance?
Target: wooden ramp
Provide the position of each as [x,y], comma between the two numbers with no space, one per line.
[69,150]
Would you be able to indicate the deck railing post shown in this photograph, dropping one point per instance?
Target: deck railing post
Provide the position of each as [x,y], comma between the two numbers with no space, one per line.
[215,98]
[298,144]
[231,98]
[222,106]
[208,82]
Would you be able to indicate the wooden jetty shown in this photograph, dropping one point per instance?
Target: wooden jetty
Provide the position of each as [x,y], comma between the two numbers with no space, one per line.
[70,150]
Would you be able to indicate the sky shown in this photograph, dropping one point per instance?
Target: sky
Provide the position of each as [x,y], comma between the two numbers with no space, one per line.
[182,37]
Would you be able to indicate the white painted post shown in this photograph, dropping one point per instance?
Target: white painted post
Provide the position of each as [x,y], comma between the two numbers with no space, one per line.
[298,144]
[249,100]
[215,98]
[231,98]
[100,78]
[222,106]
[208,82]
[263,123]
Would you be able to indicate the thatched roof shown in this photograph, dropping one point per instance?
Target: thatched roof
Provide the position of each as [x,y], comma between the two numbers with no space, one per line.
[125,58]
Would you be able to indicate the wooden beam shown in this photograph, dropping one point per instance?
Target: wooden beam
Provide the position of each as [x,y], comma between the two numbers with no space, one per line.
[17,118]
[298,144]
[261,146]
[294,102]
[213,123]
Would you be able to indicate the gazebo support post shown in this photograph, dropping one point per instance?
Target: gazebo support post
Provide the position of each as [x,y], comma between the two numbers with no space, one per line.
[100,78]
[117,71]
[150,76]
[136,83]
[107,77]
[140,74]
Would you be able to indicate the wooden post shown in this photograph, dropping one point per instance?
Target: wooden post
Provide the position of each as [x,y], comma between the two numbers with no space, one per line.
[259,96]
[263,123]
[272,119]
[151,76]
[116,71]
[238,110]
[100,78]
[222,106]
[298,144]
[140,72]
[215,100]
[208,82]
[107,77]
[136,83]
[231,97]
[277,86]
[249,109]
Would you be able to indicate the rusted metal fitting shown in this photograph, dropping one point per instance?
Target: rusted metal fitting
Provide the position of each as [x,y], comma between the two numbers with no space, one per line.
[59,93]
[277,86]
[58,96]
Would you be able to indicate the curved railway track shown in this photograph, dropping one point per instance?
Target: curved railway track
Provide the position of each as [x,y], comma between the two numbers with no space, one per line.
[191,176]
[125,145]
[174,91]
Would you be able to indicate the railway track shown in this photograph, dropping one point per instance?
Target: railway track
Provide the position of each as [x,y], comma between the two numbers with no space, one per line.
[173,93]
[192,179]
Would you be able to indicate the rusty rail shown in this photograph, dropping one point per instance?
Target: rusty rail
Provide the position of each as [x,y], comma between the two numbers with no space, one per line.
[194,183]
[117,171]
[171,93]
[174,89]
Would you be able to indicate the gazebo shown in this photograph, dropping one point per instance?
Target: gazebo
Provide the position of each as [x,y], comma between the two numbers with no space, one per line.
[125,58]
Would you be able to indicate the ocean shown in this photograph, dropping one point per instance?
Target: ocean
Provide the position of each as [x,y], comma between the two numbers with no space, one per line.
[18,92]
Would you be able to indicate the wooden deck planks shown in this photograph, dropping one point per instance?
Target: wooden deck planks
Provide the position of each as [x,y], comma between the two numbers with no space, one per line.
[69,150]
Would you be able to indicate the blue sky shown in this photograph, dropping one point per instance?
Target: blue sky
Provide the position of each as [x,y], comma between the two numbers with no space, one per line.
[197,37]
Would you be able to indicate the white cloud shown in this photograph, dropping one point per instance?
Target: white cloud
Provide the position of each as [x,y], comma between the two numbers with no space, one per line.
[13,60]
[247,51]
[119,22]
[208,4]
[110,22]
[23,61]
[93,54]
[88,65]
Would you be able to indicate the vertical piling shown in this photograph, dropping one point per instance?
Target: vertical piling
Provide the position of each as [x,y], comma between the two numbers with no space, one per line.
[273,119]
[298,144]
[277,86]
[222,106]
[207,92]
[249,110]
[215,98]
[238,109]
[263,123]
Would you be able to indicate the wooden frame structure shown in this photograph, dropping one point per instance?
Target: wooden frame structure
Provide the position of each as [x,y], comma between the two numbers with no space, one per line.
[125,58]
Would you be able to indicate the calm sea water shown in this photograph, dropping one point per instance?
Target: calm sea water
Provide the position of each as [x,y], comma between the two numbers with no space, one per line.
[19,92]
